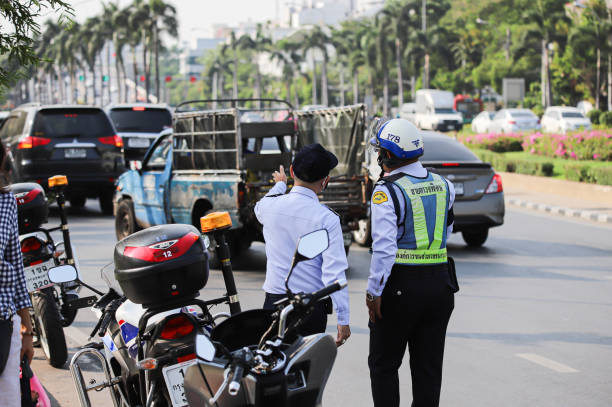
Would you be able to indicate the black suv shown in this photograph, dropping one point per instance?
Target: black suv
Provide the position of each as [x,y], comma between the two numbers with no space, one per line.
[77,141]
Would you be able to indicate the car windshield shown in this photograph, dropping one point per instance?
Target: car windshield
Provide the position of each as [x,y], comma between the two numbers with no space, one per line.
[71,123]
[141,119]
[441,150]
[269,145]
[442,110]
[523,115]
[572,115]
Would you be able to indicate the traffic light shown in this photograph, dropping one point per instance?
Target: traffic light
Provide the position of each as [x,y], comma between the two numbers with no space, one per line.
[192,79]
[168,78]
[142,78]
[104,78]
[81,78]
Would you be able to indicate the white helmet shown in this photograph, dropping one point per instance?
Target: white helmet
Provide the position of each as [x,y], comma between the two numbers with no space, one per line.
[400,137]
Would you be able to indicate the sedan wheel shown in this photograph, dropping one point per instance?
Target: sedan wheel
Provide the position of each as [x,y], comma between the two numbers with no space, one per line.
[475,238]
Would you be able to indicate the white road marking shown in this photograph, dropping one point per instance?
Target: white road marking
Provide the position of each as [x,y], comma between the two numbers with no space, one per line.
[551,364]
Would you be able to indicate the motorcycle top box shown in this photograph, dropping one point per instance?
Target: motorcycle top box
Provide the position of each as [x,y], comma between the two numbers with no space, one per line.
[32,206]
[161,263]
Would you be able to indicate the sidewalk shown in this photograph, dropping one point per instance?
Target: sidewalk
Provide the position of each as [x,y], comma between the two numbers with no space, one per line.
[561,197]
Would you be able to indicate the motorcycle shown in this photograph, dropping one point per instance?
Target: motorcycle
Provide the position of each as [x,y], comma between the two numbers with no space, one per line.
[256,358]
[54,305]
[149,316]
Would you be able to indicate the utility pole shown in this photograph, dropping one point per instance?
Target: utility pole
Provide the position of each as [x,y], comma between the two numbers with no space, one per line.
[424,28]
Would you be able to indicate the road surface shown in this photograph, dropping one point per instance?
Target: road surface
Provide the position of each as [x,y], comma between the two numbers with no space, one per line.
[531,325]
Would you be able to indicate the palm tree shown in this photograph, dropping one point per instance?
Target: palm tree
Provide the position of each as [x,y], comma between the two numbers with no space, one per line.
[383,47]
[140,22]
[47,53]
[258,44]
[162,19]
[545,16]
[120,38]
[317,39]
[233,44]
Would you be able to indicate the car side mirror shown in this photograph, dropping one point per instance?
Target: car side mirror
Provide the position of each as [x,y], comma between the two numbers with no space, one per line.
[205,349]
[63,274]
[136,165]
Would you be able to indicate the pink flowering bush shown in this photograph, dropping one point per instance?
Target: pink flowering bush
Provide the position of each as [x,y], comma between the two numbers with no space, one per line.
[583,145]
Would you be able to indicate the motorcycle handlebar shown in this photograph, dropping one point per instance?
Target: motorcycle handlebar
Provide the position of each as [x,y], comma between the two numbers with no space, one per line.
[325,291]
[234,386]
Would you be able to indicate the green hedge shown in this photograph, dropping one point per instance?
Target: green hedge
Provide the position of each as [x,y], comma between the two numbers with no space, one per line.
[528,167]
[593,115]
[605,118]
[602,175]
[577,172]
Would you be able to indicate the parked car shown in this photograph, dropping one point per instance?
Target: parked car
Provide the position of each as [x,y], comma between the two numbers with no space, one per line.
[563,119]
[514,120]
[76,141]
[408,112]
[584,106]
[435,111]
[479,196]
[138,125]
[482,122]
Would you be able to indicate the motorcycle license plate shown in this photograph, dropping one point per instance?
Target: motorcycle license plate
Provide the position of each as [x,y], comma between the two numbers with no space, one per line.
[174,376]
[37,276]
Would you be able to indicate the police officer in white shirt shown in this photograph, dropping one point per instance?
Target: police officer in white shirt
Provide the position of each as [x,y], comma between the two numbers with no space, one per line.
[410,295]
[286,217]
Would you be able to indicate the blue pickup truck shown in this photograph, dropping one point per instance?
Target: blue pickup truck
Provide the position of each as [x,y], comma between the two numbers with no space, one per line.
[222,160]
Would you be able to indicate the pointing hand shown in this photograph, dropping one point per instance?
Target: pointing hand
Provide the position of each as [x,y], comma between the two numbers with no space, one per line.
[280,175]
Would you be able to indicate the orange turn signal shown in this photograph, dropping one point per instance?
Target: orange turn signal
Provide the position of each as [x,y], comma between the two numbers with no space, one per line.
[215,221]
[57,181]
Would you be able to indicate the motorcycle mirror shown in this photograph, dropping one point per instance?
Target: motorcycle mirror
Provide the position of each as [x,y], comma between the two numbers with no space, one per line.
[63,274]
[205,349]
[313,244]
[309,246]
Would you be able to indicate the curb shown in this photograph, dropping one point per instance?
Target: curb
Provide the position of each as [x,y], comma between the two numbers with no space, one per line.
[557,210]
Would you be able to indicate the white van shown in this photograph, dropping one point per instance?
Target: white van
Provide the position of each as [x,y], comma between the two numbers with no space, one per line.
[435,111]
[408,111]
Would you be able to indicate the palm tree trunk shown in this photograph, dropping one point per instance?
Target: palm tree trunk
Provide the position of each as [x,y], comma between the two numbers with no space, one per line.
[426,72]
[598,78]
[108,71]
[220,86]
[398,59]
[135,67]
[296,96]
[156,50]
[543,73]
[125,84]
[118,76]
[355,87]
[214,88]
[72,84]
[235,77]
[610,79]
[314,80]
[385,93]
[413,87]
[324,94]
[257,84]
[145,65]
[341,86]
[62,85]
[288,90]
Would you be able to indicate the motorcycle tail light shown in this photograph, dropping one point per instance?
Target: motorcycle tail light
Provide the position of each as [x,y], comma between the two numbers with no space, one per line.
[147,364]
[495,185]
[30,244]
[177,327]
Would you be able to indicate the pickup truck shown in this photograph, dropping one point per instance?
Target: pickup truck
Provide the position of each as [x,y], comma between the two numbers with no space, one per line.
[222,159]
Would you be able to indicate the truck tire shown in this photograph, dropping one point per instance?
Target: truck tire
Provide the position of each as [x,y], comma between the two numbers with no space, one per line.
[49,328]
[476,237]
[363,235]
[125,220]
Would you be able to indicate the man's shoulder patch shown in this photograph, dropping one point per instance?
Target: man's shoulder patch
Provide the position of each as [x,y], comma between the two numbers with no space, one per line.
[379,197]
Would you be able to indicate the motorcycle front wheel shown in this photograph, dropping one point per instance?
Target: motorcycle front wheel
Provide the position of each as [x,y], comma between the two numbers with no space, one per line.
[49,329]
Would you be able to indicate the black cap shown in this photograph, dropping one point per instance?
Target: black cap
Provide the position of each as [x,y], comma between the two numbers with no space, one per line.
[313,163]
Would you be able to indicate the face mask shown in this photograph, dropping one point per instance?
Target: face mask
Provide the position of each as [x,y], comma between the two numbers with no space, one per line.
[379,160]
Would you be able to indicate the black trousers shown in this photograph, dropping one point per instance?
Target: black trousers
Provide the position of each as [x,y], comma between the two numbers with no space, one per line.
[314,324]
[416,307]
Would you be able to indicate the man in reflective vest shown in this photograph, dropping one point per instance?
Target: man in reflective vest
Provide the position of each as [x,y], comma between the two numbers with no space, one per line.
[410,295]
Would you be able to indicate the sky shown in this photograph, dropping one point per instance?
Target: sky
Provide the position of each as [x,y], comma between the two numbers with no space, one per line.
[196,16]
